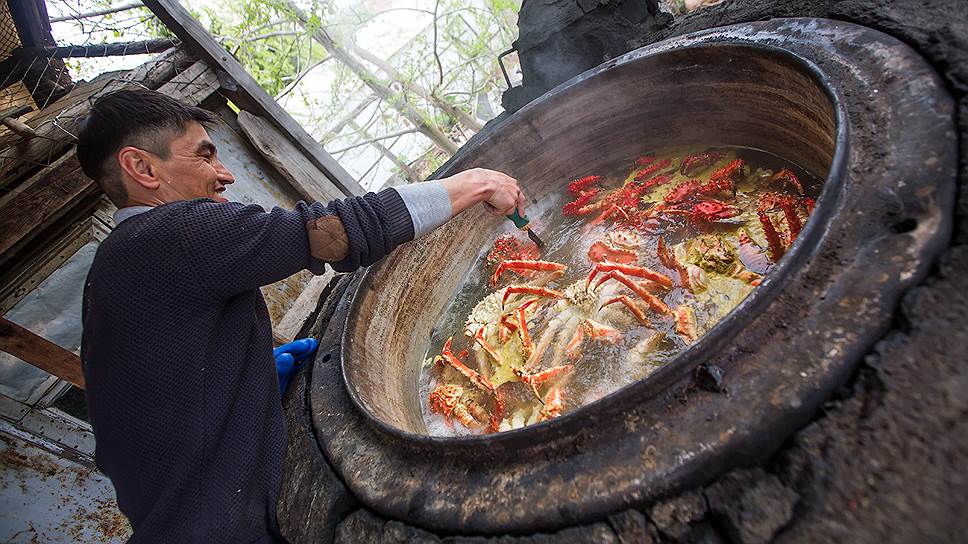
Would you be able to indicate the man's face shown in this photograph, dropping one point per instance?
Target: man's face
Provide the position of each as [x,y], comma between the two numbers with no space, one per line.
[192,169]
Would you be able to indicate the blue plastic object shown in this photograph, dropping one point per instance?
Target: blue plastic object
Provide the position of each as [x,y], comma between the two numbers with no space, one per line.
[287,355]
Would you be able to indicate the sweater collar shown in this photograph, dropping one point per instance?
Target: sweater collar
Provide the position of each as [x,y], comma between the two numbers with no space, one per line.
[129,212]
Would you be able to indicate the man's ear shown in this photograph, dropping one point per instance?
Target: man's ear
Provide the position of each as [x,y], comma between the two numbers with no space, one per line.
[140,166]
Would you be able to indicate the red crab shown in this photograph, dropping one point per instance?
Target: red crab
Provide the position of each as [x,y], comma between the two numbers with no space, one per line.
[582,205]
[508,248]
[724,179]
[691,164]
[786,176]
[706,211]
[580,185]
[651,169]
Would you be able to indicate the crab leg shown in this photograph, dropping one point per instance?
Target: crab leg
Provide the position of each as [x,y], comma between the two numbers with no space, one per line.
[654,302]
[792,218]
[506,328]
[772,237]
[535,380]
[636,311]
[477,380]
[573,349]
[479,337]
[520,266]
[553,405]
[526,344]
[471,375]
[530,290]
[668,260]
[601,331]
[686,323]
[632,270]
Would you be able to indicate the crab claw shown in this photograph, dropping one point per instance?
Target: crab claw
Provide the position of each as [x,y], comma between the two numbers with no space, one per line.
[530,290]
[602,332]
[573,349]
[474,377]
[632,270]
[668,259]
[686,323]
[522,266]
[553,405]
[636,311]
[534,380]
[654,302]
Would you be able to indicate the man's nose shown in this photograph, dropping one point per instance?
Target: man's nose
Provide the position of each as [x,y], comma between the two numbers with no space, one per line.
[224,176]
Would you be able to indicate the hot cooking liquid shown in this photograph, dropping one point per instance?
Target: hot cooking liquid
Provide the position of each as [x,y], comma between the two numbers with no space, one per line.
[720,247]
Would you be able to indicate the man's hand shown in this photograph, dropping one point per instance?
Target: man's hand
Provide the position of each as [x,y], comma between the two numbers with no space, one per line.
[498,192]
[287,355]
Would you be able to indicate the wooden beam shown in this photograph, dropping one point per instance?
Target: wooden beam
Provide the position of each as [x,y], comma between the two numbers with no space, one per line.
[40,352]
[291,163]
[40,201]
[246,93]
[303,307]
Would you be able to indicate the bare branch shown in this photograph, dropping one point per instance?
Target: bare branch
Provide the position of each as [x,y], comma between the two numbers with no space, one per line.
[440,66]
[371,140]
[97,13]
[294,82]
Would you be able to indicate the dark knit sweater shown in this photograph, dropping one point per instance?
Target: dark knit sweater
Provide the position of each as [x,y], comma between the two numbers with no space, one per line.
[177,351]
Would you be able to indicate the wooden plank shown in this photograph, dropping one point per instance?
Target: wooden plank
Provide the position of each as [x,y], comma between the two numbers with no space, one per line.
[291,323]
[288,160]
[193,85]
[41,201]
[246,93]
[40,352]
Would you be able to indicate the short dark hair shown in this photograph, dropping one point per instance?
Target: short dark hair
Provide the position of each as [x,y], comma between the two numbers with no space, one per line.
[141,118]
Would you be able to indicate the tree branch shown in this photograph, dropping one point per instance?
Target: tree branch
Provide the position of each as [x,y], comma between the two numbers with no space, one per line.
[97,13]
[371,140]
[294,82]
[440,66]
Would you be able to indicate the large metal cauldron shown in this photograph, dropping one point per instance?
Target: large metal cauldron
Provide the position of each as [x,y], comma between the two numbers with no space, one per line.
[850,105]
[732,94]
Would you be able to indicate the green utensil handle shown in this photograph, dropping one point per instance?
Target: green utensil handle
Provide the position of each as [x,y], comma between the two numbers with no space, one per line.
[518,221]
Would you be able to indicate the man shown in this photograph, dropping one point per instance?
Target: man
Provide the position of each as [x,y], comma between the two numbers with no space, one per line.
[177,352]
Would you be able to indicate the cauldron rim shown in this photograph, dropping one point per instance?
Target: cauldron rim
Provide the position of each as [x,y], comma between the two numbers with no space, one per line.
[686,361]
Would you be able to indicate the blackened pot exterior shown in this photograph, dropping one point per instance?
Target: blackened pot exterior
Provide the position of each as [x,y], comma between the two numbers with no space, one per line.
[783,356]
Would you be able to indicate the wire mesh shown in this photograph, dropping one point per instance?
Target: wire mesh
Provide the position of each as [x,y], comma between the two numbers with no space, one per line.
[9,40]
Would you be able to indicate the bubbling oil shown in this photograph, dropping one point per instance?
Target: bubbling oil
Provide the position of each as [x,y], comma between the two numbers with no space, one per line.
[712,220]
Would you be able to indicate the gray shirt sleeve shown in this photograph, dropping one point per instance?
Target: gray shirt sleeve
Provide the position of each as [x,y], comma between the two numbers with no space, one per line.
[428,204]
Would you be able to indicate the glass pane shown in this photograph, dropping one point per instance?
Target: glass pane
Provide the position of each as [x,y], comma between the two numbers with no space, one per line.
[52,310]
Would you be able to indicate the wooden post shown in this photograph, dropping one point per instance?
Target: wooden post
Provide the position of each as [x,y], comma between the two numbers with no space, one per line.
[40,352]
[245,92]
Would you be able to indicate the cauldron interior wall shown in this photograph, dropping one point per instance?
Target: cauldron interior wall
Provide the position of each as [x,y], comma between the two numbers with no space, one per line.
[727,94]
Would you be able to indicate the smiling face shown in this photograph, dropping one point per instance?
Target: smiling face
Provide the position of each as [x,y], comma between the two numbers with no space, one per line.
[192,168]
